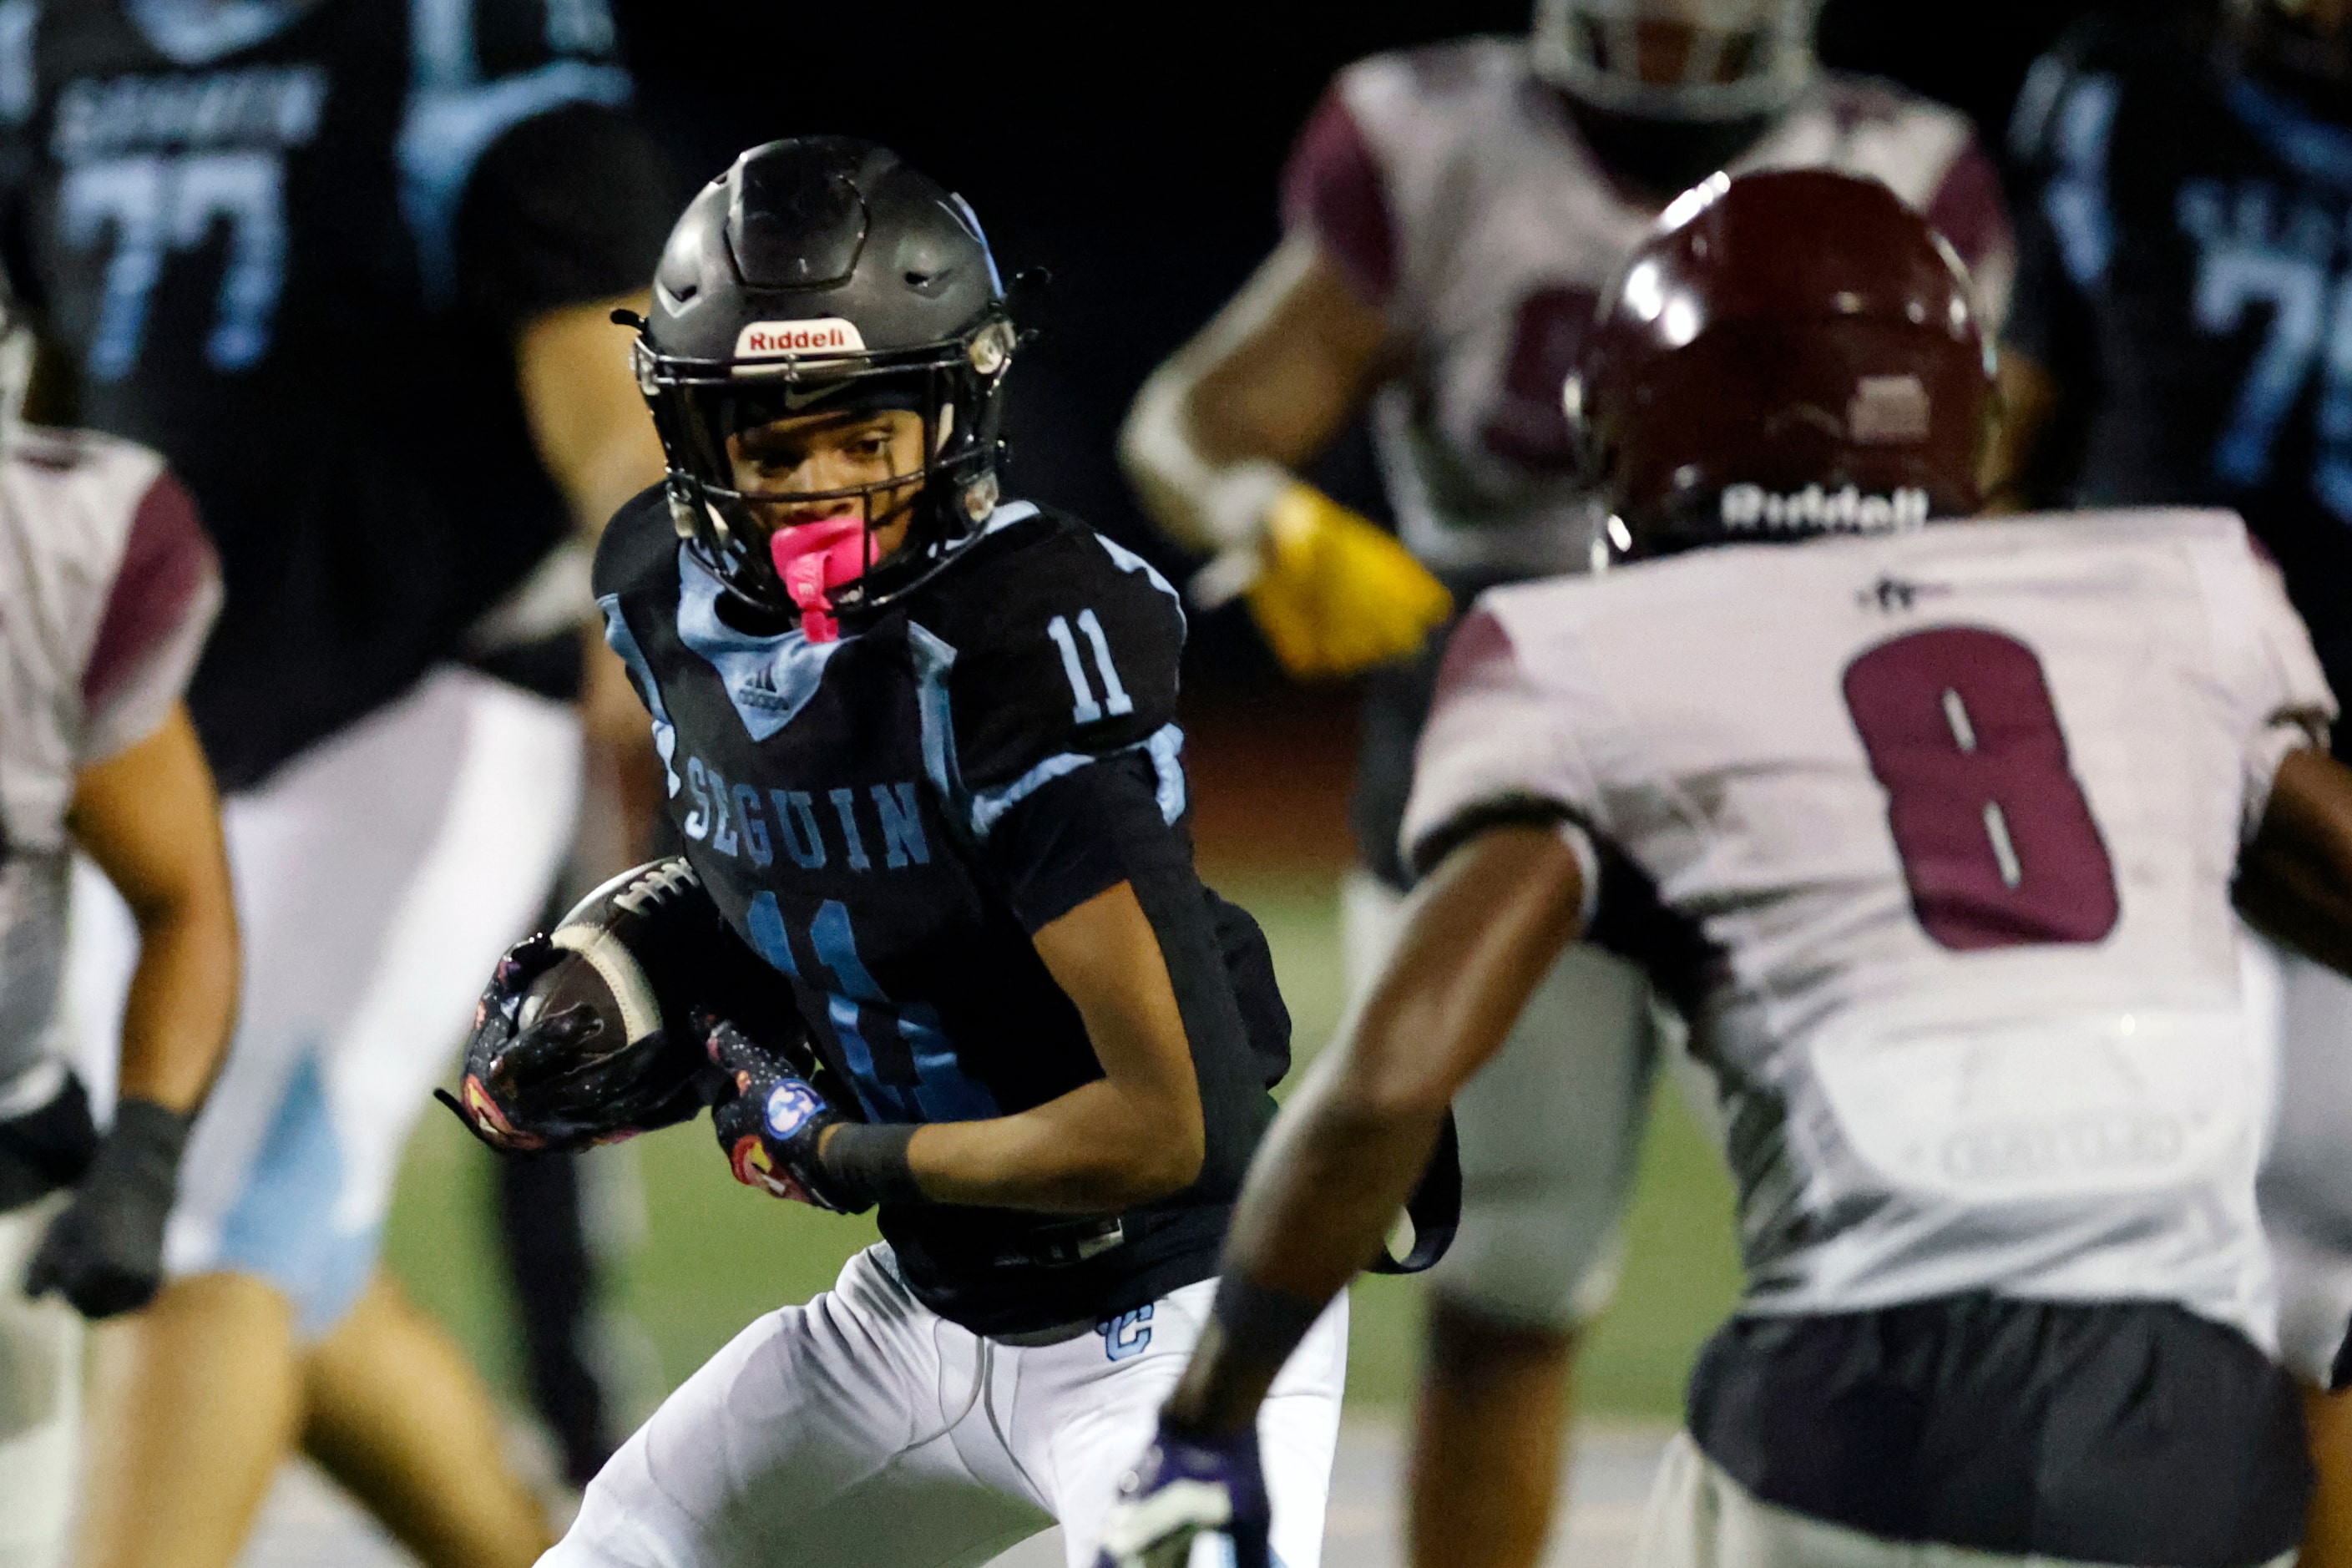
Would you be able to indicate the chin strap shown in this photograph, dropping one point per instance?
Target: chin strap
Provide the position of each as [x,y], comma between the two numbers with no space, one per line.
[813,559]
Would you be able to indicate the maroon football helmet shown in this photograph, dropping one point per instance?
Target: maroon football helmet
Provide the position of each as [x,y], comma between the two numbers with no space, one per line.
[1788,354]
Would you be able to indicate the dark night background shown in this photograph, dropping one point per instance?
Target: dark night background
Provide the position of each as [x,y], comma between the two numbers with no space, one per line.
[1133,153]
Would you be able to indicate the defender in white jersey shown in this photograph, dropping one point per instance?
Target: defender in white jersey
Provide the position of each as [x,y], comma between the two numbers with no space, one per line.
[107,589]
[1452,215]
[1931,832]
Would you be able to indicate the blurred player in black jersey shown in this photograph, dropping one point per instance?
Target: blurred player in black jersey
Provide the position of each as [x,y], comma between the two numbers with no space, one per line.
[348,264]
[921,745]
[2182,334]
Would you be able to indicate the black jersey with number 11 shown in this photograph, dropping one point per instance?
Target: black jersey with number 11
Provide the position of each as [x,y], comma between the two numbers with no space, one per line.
[888,818]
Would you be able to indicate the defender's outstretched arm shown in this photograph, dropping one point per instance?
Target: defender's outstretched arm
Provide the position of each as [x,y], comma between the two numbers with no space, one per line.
[1346,1150]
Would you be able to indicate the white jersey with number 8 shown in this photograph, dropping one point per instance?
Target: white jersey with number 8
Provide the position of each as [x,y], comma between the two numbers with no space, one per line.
[1934,835]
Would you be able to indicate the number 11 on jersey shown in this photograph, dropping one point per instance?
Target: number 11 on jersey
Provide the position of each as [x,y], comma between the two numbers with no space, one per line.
[1115,701]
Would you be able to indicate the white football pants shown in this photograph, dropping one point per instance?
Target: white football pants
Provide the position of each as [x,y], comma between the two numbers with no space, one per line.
[865,1431]
[379,875]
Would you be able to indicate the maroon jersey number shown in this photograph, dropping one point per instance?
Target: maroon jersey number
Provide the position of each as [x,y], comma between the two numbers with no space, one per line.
[1997,843]
[1528,425]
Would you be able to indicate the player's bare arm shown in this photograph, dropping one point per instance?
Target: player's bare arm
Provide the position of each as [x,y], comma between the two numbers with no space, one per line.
[1273,378]
[150,819]
[1214,444]
[1344,1155]
[588,425]
[2295,879]
[1134,1135]
[586,419]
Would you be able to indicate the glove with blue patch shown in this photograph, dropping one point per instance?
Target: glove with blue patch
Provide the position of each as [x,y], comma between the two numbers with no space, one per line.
[1182,1486]
[770,1126]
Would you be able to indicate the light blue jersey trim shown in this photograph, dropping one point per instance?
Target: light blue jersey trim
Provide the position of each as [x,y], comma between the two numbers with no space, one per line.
[769,679]
[1008,514]
[934,660]
[989,807]
[452,118]
[1167,748]
[193,32]
[1164,745]
[1127,560]
[624,642]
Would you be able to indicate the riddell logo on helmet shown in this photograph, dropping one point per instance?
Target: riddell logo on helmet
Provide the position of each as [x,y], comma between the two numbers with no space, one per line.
[1751,509]
[775,340]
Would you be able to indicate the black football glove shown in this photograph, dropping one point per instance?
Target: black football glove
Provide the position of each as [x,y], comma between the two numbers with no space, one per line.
[105,1252]
[47,1147]
[769,1128]
[568,1080]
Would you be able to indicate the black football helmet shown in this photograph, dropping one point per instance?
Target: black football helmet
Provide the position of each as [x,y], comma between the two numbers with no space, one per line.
[823,271]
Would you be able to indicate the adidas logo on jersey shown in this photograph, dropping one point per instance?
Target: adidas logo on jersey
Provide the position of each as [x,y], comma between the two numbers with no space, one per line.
[777,340]
[1751,509]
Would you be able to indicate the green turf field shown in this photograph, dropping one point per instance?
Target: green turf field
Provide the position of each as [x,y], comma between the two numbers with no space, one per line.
[713,1256]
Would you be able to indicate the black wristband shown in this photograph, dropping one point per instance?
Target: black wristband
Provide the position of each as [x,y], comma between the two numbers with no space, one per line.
[866,1164]
[142,1148]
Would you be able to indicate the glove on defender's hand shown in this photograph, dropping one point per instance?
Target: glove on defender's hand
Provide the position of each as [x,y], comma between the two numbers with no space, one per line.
[105,1252]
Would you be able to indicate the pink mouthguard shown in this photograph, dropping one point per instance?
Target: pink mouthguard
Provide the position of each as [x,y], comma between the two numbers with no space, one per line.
[813,559]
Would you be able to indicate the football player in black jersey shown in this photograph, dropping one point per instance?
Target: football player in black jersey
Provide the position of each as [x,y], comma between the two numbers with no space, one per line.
[2182,334]
[349,263]
[920,744]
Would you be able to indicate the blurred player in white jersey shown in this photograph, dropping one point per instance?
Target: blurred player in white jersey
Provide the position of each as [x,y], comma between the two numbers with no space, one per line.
[1932,832]
[107,588]
[1451,216]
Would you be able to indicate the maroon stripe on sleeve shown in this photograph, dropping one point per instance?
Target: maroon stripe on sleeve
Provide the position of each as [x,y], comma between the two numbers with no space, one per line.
[1968,210]
[1332,189]
[166,562]
[1479,654]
